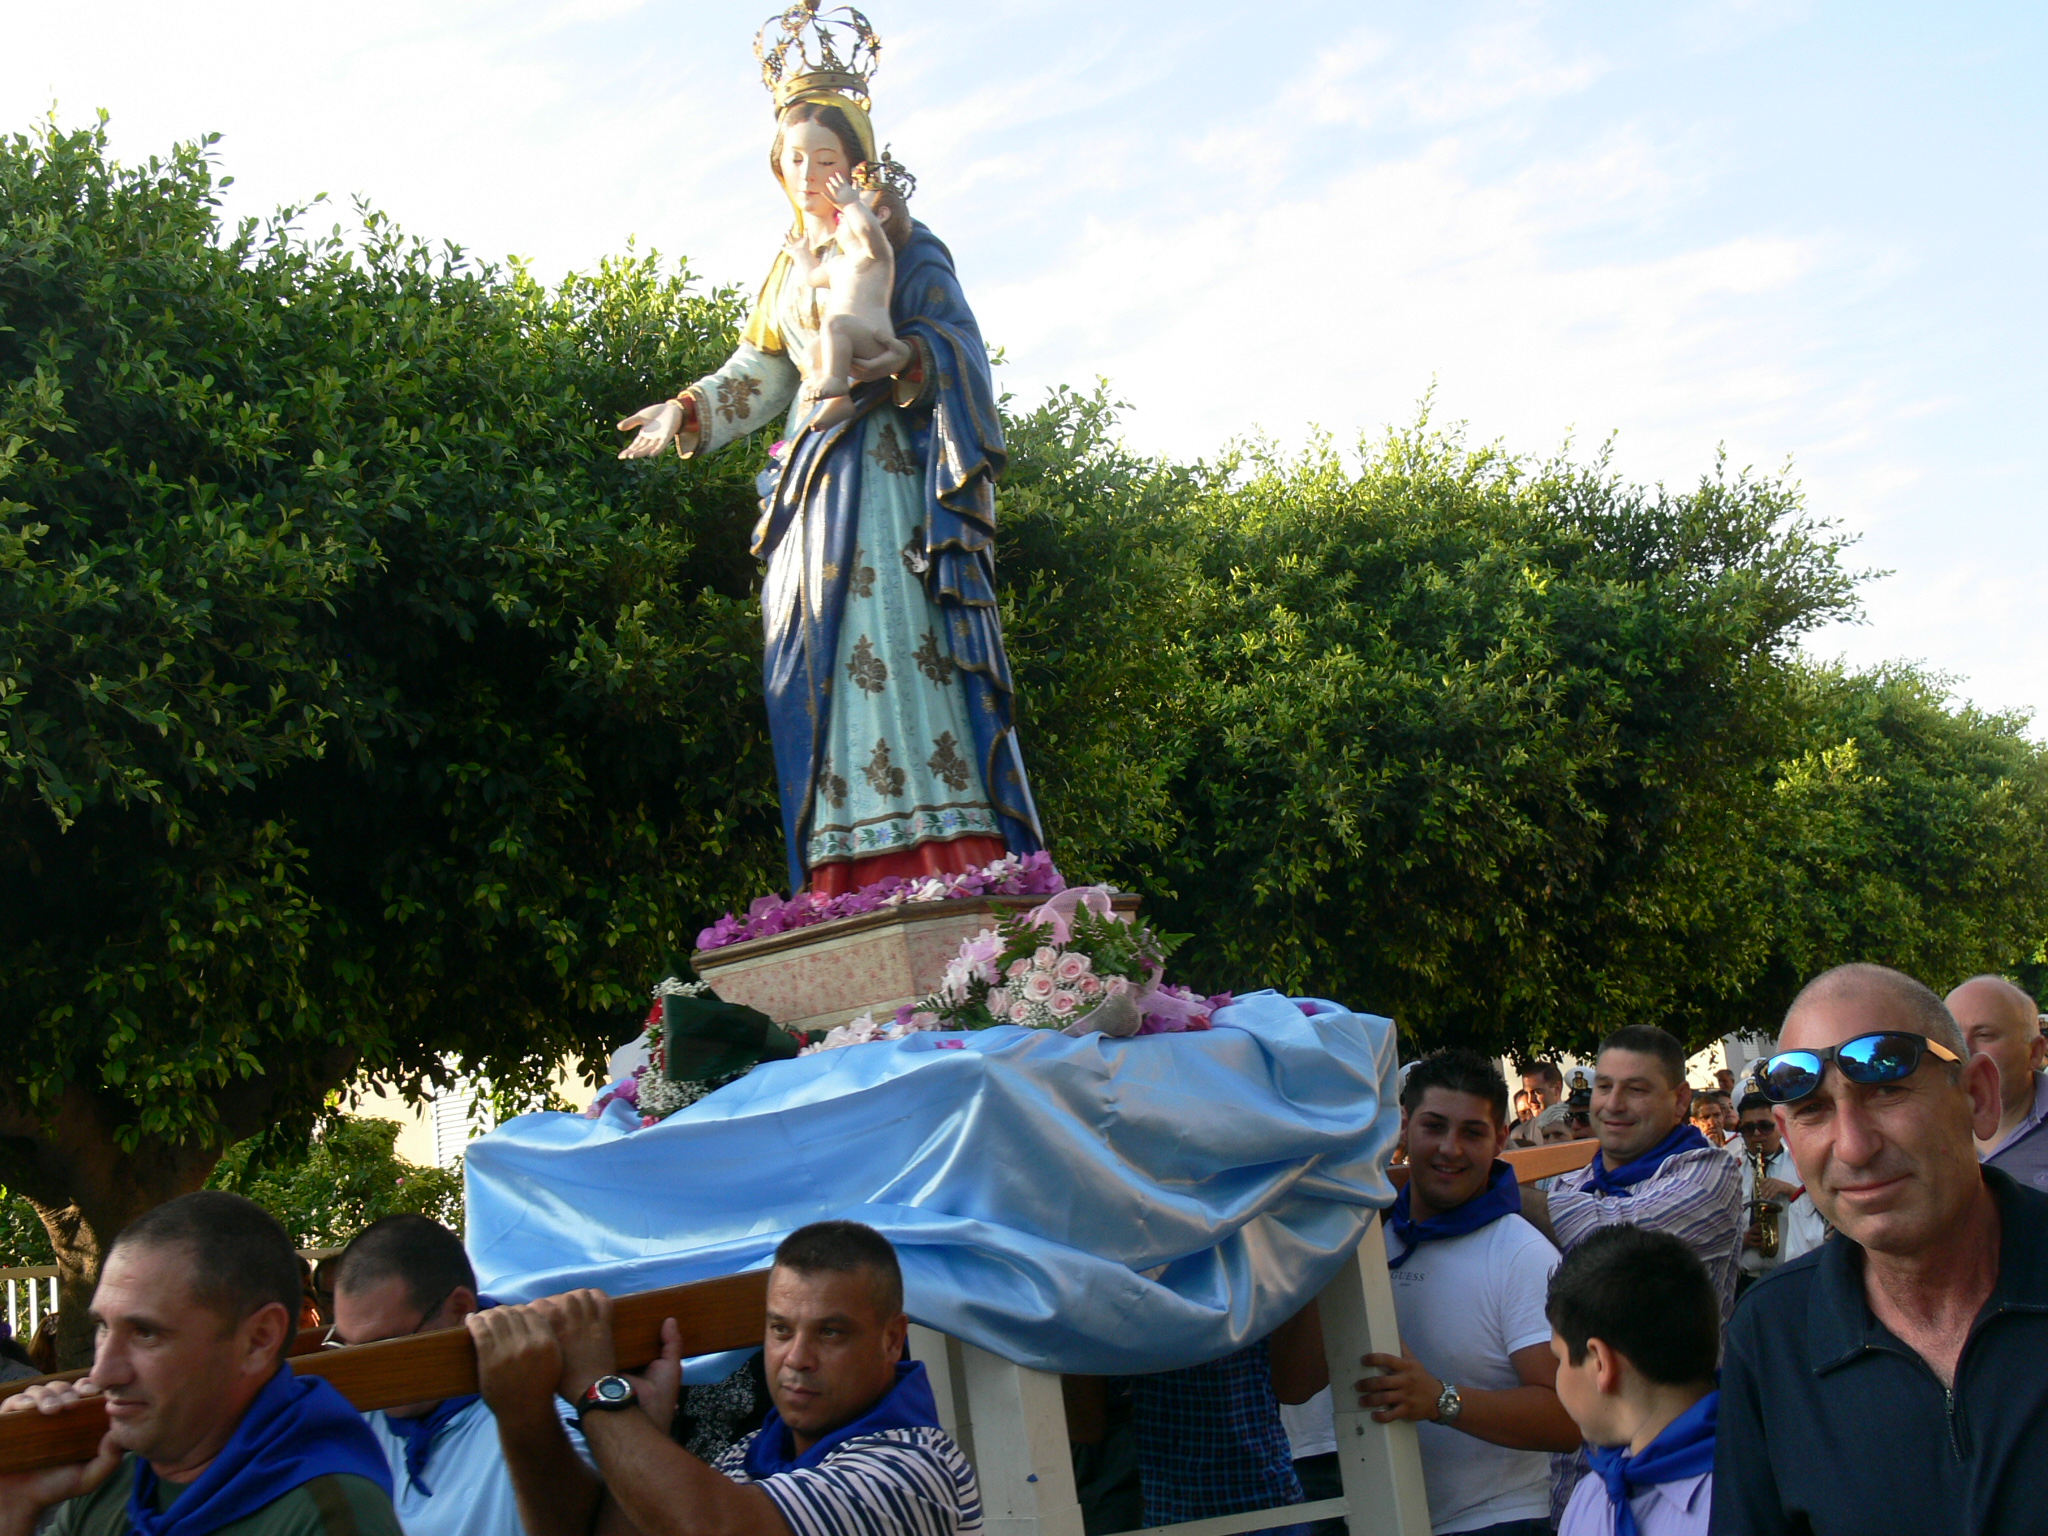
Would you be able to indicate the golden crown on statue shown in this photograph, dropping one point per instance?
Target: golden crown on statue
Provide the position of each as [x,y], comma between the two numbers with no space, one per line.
[804,52]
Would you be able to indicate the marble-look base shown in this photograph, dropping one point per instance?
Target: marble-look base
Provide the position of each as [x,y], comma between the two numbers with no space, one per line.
[816,978]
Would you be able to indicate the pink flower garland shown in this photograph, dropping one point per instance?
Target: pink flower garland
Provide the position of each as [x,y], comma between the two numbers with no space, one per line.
[1029,875]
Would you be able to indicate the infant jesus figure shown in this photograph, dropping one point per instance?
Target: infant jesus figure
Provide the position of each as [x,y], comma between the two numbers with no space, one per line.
[855,279]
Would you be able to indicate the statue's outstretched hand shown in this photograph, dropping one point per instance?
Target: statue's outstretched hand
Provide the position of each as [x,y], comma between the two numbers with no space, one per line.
[656,427]
[840,188]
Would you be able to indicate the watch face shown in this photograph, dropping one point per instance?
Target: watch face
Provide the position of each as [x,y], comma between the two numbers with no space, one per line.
[612,1389]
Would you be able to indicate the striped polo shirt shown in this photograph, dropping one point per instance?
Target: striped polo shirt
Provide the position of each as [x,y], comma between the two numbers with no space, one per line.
[895,1482]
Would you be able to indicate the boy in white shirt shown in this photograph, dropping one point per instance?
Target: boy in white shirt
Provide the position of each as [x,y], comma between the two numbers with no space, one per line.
[1469,1278]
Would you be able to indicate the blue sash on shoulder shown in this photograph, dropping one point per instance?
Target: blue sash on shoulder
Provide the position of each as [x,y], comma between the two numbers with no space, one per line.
[297,1429]
[907,1405]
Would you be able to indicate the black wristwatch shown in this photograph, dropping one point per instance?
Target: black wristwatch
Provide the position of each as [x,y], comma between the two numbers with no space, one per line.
[608,1394]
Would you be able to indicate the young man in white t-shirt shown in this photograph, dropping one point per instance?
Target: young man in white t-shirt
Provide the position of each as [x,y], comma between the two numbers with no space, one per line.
[1470,1278]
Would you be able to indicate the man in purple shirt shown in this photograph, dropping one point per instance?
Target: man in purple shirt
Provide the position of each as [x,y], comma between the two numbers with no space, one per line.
[2000,1021]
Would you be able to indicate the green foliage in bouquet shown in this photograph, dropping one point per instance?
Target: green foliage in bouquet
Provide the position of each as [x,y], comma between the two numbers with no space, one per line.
[1116,947]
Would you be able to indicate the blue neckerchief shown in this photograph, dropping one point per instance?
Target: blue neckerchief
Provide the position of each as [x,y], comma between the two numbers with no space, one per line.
[1683,1448]
[418,1435]
[298,1428]
[1501,1197]
[1617,1181]
[907,1405]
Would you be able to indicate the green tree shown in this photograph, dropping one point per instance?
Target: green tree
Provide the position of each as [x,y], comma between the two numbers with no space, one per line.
[1476,740]
[1907,831]
[1096,573]
[358,708]
[348,1176]
[24,1240]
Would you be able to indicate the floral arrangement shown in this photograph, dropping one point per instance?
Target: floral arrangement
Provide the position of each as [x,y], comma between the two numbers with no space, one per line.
[1027,875]
[650,1089]
[1073,964]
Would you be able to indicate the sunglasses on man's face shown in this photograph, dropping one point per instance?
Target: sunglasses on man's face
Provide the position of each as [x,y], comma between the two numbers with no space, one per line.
[1889,1056]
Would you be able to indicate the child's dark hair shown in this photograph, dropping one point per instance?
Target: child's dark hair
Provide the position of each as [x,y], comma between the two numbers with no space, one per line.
[1461,1071]
[1647,1297]
[897,225]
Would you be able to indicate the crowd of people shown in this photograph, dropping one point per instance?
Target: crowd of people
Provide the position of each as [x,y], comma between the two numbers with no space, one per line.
[1806,1303]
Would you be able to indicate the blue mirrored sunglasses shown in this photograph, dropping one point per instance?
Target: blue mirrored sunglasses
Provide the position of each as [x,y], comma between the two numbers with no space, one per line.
[1889,1056]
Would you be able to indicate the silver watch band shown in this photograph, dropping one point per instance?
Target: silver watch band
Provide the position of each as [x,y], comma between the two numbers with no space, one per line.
[1449,1405]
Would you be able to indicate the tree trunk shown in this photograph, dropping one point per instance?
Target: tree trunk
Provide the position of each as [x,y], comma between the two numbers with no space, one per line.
[68,1163]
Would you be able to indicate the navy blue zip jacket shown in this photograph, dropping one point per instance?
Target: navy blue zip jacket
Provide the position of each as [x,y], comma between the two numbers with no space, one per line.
[1829,1424]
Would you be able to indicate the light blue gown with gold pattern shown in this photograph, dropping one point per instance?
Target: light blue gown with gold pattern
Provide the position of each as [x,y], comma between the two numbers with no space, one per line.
[897,765]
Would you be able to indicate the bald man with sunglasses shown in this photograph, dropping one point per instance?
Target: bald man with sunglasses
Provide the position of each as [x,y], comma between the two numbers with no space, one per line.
[1892,1379]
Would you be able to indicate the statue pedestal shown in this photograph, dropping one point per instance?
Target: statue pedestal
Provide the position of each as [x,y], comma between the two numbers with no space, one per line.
[817,978]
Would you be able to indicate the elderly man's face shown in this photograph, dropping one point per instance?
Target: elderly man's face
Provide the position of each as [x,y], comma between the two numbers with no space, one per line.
[2000,1023]
[1891,1165]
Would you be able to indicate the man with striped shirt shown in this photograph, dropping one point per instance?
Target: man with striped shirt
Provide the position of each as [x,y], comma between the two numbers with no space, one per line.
[1653,1170]
[852,1446]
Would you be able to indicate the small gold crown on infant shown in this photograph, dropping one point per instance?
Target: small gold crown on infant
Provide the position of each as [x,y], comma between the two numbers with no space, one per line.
[887,172]
[805,51]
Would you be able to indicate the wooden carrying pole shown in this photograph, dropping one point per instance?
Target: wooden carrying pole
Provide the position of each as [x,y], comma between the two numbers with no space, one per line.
[714,1315]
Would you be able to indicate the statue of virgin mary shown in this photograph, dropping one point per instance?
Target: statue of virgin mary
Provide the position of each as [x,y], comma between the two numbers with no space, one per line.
[889,695]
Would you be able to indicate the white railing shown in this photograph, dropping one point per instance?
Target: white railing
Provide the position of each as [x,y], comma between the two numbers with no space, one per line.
[31,1296]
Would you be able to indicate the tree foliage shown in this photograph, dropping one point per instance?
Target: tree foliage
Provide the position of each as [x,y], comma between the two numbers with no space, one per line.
[346,1177]
[1905,830]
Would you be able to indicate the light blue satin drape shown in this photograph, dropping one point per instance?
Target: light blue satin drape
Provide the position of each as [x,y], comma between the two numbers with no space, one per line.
[1094,1206]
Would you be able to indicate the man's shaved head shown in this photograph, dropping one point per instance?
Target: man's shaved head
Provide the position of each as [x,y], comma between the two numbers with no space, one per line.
[1996,995]
[1888,999]
[2001,1021]
[1891,1165]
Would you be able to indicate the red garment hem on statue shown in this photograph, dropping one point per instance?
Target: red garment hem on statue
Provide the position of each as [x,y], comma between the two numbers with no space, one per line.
[953,858]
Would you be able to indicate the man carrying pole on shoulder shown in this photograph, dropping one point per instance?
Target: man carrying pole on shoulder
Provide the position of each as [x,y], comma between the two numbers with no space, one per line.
[209,1433]
[853,1446]
[408,1275]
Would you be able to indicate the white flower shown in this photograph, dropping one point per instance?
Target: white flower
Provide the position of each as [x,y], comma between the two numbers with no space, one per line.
[999,1002]
[960,973]
[1045,959]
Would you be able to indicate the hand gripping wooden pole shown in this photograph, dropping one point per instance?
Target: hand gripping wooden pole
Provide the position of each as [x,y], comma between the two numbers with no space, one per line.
[714,1315]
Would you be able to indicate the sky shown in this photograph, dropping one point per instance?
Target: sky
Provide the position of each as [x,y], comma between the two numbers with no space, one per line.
[1810,235]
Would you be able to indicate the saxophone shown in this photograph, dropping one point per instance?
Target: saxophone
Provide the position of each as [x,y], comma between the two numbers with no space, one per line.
[1763,1214]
